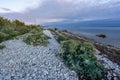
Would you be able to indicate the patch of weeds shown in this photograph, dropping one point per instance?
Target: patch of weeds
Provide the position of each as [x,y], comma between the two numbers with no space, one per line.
[58,36]
[36,39]
[80,58]
[2,37]
[2,46]
[61,38]
[11,29]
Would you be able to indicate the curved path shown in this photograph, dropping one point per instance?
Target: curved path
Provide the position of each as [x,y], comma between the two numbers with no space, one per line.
[19,61]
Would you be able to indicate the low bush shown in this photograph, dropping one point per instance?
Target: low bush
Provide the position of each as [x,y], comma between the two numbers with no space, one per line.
[4,21]
[10,29]
[2,37]
[61,38]
[2,46]
[7,29]
[36,39]
[80,58]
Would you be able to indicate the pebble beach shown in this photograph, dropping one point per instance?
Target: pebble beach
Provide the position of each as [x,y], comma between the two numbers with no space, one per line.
[19,61]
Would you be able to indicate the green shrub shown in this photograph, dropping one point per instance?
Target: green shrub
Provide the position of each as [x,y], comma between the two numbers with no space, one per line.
[4,21]
[2,46]
[2,37]
[11,35]
[9,30]
[22,29]
[61,38]
[18,23]
[80,58]
[35,27]
[36,31]
[36,39]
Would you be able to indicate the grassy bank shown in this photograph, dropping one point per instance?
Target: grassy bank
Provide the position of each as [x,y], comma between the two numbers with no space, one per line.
[11,29]
[79,56]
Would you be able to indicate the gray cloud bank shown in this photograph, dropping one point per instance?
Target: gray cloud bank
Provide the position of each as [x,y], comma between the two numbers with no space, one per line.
[69,11]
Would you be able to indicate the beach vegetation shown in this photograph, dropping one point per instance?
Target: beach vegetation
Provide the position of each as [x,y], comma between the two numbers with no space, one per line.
[60,38]
[11,29]
[2,46]
[36,39]
[80,58]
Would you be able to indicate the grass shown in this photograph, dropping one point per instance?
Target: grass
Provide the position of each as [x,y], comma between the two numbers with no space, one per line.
[11,29]
[9,32]
[59,37]
[80,58]
[36,39]
[2,46]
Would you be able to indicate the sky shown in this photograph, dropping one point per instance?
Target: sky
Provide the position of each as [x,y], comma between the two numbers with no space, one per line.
[48,11]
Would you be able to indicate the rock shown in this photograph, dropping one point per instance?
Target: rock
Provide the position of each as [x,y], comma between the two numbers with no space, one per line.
[64,31]
[102,35]
[56,29]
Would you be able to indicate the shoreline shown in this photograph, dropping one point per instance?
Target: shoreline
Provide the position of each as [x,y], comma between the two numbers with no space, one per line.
[111,52]
[112,66]
[54,46]
[111,34]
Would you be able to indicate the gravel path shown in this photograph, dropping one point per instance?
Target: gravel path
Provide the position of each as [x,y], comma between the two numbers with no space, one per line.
[19,61]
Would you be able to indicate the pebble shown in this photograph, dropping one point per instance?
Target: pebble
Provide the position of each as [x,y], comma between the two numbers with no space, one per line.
[113,67]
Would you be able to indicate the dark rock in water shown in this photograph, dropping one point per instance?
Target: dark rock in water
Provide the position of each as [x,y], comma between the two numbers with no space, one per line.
[55,29]
[65,31]
[102,35]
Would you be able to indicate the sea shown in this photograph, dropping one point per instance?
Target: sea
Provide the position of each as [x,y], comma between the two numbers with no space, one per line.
[113,33]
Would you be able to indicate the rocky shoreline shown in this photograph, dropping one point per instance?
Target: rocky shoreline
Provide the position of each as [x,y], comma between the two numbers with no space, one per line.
[21,61]
[107,55]
[111,52]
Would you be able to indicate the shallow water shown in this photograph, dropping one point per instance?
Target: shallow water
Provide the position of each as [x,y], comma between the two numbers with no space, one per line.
[113,34]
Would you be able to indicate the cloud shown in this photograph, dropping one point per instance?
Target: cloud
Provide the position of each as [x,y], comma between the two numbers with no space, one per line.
[19,5]
[46,11]
[38,21]
[5,10]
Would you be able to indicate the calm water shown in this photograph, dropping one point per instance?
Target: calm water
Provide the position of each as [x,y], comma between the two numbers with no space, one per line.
[113,33]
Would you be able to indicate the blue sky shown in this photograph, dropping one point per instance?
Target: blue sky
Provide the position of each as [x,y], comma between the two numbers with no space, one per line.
[47,11]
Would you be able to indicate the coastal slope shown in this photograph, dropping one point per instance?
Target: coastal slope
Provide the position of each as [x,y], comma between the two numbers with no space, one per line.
[19,61]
